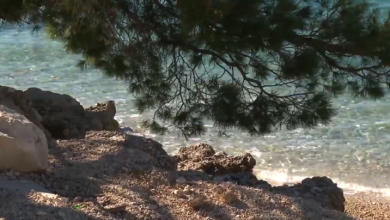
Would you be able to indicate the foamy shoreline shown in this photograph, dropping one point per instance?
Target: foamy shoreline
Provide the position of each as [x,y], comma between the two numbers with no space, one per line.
[276,178]
[362,203]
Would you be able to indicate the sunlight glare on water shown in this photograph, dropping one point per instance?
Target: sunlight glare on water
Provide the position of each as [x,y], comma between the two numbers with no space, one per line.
[353,150]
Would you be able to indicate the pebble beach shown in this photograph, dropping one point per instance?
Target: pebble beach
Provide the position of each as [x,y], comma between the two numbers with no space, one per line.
[353,150]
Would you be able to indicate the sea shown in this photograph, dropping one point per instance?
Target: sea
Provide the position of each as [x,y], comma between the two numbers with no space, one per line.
[353,150]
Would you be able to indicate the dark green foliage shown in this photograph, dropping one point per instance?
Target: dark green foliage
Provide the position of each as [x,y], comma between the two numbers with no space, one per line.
[255,65]
[16,11]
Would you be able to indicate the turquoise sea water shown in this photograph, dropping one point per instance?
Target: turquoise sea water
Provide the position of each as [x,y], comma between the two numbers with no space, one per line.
[354,149]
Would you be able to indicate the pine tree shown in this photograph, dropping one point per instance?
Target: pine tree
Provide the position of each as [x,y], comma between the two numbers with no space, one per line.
[255,65]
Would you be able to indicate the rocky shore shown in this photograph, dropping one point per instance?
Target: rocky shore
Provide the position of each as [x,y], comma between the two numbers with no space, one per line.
[96,170]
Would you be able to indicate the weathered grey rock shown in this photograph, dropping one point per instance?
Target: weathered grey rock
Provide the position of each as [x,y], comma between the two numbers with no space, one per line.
[319,189]
[181,180]
[202,157]
[61,114]
[102,117]
[18,101]
[65,118]
[23,145]
[195,153]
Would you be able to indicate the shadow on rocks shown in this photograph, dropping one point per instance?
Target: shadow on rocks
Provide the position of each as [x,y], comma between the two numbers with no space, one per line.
[17,205]
[109,175]
[207,212]
[220,167]
[103,175]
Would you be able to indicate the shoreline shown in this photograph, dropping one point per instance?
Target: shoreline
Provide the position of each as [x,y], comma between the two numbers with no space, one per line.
[127,118]
[365,203]
[251,202]
[349,188]
[88,161]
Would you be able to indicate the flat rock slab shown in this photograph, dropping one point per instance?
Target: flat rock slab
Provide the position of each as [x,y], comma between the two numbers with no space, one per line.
[24,186]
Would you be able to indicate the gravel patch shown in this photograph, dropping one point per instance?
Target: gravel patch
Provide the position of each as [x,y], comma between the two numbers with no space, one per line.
[368,206]
[98,178]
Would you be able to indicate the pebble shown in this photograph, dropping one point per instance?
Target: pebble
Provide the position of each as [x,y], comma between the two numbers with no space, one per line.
[181,180]
[179,193]
[197,201]
[187,189]
[78,199]
[229,197]
[117,208]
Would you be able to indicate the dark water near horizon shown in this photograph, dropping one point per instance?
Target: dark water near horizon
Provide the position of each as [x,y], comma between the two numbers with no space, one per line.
[354,149]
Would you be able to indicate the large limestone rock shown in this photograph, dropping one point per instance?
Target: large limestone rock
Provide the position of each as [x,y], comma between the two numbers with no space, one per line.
[18,101]
[202,157]
[65,118]
[23,145]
